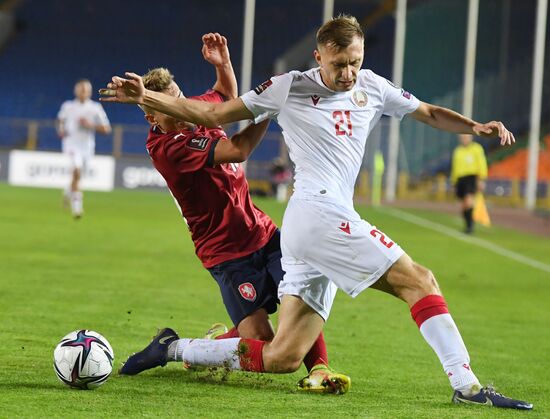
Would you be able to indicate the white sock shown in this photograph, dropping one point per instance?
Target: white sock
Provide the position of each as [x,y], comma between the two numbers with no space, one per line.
[208,353]
[76,203]
[442,335]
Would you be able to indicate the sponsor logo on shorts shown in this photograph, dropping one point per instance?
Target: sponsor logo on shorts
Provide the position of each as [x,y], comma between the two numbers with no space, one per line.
[247,291]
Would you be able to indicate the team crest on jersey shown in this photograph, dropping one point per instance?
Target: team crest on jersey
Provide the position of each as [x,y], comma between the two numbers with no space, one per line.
[259,89]
[315,99]
[360,98]
[405,94]
[247,291]
[198,143]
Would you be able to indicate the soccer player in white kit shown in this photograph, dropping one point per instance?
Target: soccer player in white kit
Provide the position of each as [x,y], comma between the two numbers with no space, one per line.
[77,122]
[326,114]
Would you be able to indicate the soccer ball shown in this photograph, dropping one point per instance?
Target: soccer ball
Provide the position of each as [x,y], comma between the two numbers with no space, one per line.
[83,359]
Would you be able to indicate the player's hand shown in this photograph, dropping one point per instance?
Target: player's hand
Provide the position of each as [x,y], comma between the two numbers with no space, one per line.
[214,49]
[494,129]
[124,90]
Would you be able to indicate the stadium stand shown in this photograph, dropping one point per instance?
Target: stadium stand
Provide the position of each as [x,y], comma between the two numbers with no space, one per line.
[42,61]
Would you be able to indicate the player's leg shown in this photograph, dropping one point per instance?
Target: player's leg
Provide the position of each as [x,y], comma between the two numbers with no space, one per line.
[298,332]
[317,355]
[256,326]
[418,287]
[79,162]
[249,296]
[466,188]
[248,354]
[299,327]
[72,194]
[468,212]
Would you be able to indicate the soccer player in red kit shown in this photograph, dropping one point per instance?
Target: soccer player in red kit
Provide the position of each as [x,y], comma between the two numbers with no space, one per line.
[235,241]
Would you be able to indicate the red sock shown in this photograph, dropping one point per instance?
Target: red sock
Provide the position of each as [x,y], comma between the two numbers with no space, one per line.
[231,333]
[427,307]
[317,354]
[250,355]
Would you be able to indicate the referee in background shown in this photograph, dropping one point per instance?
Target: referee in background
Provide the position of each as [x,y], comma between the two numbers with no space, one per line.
[469,170]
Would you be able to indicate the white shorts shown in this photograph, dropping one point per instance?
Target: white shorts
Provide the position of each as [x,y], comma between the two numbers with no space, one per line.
[326,246]
[79,153]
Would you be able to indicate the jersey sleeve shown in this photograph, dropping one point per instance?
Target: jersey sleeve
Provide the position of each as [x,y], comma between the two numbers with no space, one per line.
[266,100]
[101,116]
[190,154]
[212,96]
[62,114]
[397,101]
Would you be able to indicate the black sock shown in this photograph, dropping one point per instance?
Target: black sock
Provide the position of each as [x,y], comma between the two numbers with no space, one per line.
[468,217]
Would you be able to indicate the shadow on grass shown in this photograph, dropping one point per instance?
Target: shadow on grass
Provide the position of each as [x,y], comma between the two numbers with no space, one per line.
[32,386]
[215,377]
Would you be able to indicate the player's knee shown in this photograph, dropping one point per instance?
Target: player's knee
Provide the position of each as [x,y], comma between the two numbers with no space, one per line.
[257,327]
[266,335]
[290,363]
[283,359]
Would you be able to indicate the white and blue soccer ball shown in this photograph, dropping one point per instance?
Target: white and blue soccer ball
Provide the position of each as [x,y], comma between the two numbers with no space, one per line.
[83,359]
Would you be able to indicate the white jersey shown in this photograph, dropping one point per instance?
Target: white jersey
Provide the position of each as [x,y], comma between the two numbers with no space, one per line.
[70,114]
[324,130]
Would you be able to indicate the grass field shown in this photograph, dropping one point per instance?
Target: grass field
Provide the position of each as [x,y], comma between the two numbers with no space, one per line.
[128,267]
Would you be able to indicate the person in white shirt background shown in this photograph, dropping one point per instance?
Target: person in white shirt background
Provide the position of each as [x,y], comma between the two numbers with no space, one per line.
[77,122]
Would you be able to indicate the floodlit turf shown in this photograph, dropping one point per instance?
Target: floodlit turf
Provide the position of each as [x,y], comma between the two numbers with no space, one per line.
[128,268]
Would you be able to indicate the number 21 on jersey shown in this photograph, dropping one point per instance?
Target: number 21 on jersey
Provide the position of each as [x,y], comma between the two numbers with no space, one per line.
[342,122]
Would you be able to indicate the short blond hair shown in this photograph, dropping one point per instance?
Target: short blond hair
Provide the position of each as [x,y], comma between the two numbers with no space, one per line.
[339,32]
[158,80]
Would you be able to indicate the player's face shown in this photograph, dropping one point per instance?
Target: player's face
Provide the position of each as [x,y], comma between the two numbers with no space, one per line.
[83,91]
[339,67]
[465,139]
[166,122]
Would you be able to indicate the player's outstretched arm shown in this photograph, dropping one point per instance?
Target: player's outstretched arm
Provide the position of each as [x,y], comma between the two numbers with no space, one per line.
[131,90]
[449,120]
[216,52]
[241,145]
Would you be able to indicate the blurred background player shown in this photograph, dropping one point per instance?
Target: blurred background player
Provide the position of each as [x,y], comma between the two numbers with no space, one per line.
[325,244]
[468,174]
[281,177]
[238,243]
[77,122]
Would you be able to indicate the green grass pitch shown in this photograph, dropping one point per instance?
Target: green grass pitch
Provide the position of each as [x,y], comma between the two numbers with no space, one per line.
[128,267]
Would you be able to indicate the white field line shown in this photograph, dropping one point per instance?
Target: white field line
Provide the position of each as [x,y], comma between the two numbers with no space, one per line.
[402,215]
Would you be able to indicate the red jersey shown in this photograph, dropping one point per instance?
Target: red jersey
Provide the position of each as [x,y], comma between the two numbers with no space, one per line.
[214,200]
